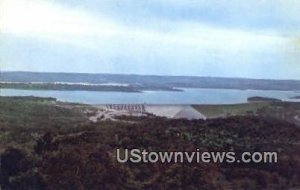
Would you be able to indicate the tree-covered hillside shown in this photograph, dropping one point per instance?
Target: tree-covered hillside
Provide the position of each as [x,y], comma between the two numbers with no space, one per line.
[65,151]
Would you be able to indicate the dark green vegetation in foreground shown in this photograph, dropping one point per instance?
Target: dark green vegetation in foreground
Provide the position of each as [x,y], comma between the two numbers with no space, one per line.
[68,152]
[24,119]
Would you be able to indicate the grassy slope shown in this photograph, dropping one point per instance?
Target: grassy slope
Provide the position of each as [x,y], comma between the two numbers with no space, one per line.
[288,111]
[229,109]
[22,120]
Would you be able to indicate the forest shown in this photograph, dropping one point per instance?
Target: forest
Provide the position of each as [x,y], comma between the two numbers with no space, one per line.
[47,146]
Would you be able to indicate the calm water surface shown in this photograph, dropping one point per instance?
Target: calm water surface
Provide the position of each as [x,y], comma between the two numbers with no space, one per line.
[188,96]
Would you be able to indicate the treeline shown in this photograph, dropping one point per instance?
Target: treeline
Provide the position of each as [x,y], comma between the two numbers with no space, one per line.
[54,86]
[148,81]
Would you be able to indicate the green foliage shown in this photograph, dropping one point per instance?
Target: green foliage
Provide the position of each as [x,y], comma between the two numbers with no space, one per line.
[67,152]
[24,119]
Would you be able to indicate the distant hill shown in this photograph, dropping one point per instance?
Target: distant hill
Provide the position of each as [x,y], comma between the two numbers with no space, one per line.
[153,82]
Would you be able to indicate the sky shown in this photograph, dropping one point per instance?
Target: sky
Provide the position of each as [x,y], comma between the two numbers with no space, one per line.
[225,38]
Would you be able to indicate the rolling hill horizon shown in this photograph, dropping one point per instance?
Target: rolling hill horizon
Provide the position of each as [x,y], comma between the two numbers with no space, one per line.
[147,82]
[143,75]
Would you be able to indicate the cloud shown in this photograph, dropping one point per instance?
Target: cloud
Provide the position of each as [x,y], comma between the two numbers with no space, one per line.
[280,16]
[55,22]
[119,39]
[46,19]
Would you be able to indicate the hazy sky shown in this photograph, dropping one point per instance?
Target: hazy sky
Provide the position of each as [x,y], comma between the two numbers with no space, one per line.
[231,38]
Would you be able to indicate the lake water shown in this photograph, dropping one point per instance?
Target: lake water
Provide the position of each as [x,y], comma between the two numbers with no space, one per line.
[188,96]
